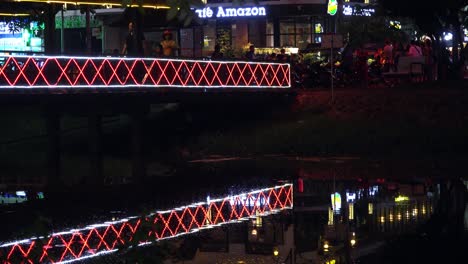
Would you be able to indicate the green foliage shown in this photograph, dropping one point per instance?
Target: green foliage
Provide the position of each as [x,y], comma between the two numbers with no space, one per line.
[182,10]
[363,30]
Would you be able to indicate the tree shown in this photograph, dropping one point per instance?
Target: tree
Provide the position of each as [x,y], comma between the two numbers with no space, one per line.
[434,18]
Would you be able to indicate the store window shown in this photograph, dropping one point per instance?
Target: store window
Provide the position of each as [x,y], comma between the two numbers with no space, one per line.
[257,32]
[287,33]
[298,32]
[209,36]
[270,35]
[303,32]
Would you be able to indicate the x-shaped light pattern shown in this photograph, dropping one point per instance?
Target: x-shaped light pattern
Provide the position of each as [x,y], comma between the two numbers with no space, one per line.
[95,72]
[108,237]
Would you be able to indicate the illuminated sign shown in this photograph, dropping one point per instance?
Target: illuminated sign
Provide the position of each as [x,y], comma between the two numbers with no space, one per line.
[208,12]
[25,38]
[357,10]
[336,201]
[332,7]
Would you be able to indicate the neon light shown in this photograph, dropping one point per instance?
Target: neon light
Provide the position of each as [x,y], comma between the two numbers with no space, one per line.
[103,238]
[207,12]
[107,72]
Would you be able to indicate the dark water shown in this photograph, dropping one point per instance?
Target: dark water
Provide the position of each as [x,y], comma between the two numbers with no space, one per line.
[383,212]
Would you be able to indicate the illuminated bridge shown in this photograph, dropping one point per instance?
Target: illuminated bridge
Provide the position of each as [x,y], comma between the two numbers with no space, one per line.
[111,74]
[108,237]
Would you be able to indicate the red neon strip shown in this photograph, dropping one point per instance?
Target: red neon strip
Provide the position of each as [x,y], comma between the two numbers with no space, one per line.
[89,72]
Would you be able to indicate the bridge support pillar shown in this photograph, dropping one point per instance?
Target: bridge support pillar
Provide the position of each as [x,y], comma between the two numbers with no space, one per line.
[52,117]
[138,117]
[96,175]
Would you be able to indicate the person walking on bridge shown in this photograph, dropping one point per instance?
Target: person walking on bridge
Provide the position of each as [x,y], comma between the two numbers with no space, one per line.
[133,46]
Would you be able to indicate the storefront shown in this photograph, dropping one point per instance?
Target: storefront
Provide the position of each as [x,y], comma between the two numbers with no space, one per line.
[266,25]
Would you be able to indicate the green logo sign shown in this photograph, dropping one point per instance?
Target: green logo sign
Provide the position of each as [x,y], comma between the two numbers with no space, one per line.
[332,7]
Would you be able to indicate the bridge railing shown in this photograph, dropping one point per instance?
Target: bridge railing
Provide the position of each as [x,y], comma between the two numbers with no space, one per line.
[116,72]
[108,237]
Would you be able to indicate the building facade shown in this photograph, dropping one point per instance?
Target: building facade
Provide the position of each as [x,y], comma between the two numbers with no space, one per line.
[268,24]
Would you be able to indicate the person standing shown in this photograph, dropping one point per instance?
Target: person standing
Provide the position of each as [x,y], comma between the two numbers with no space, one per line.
[429,60]
[217,54]
[169,46]
[250,55]
[414,49]
[133,46]
[387,55]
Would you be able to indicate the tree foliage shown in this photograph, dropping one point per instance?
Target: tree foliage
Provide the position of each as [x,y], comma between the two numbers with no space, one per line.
[432,17]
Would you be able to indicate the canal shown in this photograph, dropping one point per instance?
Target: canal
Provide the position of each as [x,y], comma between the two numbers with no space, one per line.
[275,209]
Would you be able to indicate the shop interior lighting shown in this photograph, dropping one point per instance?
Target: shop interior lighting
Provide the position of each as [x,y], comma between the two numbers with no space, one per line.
[29,72]
[103,238]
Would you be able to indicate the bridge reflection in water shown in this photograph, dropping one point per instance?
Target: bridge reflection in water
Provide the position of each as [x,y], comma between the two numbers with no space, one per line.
[109,237]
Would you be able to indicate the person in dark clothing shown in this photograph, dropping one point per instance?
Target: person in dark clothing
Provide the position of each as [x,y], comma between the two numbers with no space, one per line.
[217,54]
[133,42]
[250,55]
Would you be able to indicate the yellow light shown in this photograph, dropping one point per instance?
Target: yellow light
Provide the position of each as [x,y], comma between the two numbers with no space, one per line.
[351,211]
[399,217]
[14,14]
[254,232]
[391,217]
[326,246]
[275,252]
[401,198]
[370,208]
[353,242]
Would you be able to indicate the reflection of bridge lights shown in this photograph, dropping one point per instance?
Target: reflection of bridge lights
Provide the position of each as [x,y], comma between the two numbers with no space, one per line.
[399,217]
[415,212]
[382,219]
[423,211]
[390,217]
[370,208]
[77,244]
[353,242]
[407,214]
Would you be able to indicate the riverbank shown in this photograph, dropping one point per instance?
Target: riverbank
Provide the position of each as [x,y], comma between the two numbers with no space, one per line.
[411,121]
